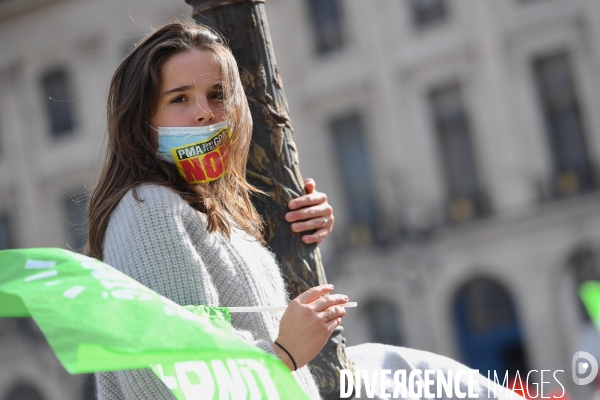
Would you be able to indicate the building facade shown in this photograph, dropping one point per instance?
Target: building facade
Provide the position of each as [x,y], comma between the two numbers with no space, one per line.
[57,58]
[458,142]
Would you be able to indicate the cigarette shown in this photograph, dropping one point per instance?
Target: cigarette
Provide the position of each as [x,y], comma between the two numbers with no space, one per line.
[349,304]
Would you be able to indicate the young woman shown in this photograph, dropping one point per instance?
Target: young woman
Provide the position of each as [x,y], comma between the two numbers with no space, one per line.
[172,210]
[186,227]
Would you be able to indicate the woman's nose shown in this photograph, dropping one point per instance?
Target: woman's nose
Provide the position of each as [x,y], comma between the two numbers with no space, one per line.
[203,112]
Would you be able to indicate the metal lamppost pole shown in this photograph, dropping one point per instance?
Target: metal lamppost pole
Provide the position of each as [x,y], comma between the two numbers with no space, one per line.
[273,160]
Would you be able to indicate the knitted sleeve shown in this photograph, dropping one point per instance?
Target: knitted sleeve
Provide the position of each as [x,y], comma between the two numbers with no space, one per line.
[151,241]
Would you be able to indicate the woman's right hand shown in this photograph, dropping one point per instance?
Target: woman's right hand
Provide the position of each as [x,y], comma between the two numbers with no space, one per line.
[307,323]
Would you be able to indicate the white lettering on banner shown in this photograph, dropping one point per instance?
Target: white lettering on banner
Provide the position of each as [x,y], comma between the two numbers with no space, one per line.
[128,290]
[36,264]
[116,282]
[94,265]
[205,389]
[169,311]
[110,285]
[250,381]
[265,378]
[73,292]
[126,294]
[41,275]
[108,275]
[169,381]
[229,380]
[235,379]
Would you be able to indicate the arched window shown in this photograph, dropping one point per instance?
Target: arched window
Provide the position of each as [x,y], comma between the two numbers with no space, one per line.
[488,329]
[23,391]
[384,324]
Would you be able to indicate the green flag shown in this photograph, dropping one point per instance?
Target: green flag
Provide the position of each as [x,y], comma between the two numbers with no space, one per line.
[589,292]
[96,318]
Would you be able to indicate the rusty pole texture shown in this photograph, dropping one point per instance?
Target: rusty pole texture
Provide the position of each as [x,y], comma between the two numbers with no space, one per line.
[273,160]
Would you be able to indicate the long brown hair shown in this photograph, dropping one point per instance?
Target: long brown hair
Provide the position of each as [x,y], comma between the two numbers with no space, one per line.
[131,149]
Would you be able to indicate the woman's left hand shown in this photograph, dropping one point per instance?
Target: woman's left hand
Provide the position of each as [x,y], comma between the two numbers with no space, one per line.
[311,212]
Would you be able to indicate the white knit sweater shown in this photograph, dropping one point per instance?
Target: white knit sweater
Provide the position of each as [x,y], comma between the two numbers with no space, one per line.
[162,242]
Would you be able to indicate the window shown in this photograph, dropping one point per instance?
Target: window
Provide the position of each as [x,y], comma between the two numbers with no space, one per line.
[76,212]
[59,101]
[5,236]
[383,323]
[355,169]
[327,23]
[428,12]
[571,169]
[465,198]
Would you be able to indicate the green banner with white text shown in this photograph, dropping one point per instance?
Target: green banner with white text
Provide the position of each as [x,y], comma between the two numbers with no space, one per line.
[96,318]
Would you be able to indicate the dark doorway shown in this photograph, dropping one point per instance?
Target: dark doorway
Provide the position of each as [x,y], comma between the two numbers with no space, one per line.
[488,329]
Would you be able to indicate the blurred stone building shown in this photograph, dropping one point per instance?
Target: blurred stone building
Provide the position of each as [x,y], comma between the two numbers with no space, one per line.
[458,142]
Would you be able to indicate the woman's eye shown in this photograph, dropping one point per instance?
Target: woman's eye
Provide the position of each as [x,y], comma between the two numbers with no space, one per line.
[217,96]
[179,99]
